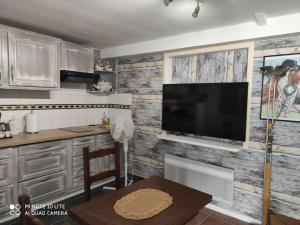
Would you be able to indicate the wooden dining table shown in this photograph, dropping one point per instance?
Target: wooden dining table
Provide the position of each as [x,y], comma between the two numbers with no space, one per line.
[186,204]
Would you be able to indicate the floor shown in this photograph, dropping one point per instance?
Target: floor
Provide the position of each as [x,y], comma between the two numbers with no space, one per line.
[210,217]
[205,216]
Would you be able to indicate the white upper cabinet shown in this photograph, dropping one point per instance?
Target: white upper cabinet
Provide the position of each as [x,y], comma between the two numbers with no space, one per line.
[77,58]
[3,57]
[33,60]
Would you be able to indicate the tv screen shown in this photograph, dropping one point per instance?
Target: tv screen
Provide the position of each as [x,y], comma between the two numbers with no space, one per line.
[208,109]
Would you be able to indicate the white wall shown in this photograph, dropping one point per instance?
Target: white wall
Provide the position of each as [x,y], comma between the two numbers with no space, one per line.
[276,26]
[58,118]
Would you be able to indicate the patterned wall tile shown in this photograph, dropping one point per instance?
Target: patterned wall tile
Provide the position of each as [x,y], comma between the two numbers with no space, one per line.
[212,67]
[146,81]
[240,65]
[182,69]
[61,106]
[147,113]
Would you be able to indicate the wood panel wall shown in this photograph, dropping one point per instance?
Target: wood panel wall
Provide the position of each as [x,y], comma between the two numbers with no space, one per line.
[143,77]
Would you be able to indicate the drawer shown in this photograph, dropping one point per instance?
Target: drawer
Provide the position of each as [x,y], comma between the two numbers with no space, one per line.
[6,198]
[84,140]
[41,164]
[78,149]
[43,147]
[8,171]
[8,153]
[43,188]
[78,182]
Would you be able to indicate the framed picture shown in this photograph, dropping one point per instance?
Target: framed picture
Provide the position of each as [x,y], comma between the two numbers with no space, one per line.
[286,108]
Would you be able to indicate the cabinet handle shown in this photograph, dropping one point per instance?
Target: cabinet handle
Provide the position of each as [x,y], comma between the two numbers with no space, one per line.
[84,141]
[12,72]
[45,179]
[46,155]
[42,148]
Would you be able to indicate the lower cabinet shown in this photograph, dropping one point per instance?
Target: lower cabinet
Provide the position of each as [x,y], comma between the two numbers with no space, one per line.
[43,188]
[8,178]
[39,164]
[47,170]
[105,163]
[7,197]
[7,171]
[77,160]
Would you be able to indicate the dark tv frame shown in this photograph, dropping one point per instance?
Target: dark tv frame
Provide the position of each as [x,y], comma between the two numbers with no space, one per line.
[214,137]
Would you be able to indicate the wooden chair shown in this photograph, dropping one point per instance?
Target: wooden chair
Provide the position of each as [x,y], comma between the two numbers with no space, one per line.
[25,217]
[89,179]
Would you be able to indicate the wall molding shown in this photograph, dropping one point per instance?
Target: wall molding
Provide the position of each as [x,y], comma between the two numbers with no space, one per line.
[61,106]
[250,46]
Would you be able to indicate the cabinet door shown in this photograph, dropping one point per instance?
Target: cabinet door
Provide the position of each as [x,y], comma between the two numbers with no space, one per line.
[33,60]
[77,58]
[108,162]
[7,171]
[43,188]
[40,164]
[6,198]
[3,58]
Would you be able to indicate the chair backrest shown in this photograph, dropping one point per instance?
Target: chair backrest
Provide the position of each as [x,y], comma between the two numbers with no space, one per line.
[25,217]
[89,179]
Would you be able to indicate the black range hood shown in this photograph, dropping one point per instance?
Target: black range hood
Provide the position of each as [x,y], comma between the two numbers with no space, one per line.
[75,76]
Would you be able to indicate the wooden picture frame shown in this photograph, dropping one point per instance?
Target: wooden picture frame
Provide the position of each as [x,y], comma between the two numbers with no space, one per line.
[290,113]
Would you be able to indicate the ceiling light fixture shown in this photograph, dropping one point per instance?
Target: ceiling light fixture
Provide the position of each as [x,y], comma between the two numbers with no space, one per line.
[167,2]
[196,10]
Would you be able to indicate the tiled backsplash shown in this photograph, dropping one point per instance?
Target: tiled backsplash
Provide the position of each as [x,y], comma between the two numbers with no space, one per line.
[57,118]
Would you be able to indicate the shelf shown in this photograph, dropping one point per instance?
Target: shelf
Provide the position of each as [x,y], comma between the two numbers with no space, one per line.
[201,142]
[101,93]
[103,71]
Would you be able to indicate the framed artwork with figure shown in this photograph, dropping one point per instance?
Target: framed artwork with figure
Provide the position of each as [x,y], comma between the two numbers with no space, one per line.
[286,107]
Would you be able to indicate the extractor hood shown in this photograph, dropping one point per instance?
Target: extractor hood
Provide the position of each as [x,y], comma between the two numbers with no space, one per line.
[75,76]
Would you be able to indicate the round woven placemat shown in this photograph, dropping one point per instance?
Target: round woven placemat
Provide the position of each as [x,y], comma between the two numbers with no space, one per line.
[142,204]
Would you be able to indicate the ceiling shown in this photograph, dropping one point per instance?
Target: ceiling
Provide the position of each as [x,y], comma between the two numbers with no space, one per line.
[106,23]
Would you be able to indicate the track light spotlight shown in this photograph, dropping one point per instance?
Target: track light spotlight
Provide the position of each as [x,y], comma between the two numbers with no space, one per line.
[197,9]
[167,2]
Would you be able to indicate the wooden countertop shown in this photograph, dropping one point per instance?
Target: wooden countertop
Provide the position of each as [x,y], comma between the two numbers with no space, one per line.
[47,135]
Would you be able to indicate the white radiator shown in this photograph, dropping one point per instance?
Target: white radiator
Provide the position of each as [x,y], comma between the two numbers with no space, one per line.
[214,180]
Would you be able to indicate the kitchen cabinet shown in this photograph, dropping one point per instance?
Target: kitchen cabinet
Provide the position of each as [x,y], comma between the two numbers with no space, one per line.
[8,178]
[105,163]
[41,159]
[42,188]
[7,197]
[42,169]
[77,57]
[3,57]
[8,172]
[77,159]
[33,60]
[36,165]
[46,170]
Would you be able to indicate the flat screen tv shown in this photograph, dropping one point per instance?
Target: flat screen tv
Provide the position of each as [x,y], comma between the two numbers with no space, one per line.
[208,109]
